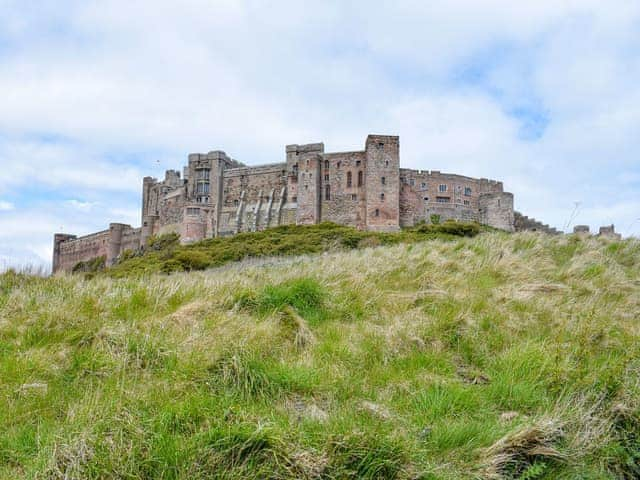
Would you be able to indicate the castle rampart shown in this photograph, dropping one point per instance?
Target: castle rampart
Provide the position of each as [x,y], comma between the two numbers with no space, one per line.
[218,196]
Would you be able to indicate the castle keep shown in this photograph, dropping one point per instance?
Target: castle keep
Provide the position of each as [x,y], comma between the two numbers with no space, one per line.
[218,196]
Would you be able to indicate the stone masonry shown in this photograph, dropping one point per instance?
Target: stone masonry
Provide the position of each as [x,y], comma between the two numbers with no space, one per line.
[218,196]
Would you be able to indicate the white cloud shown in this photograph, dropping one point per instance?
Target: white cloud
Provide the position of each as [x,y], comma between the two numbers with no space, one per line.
[6,206]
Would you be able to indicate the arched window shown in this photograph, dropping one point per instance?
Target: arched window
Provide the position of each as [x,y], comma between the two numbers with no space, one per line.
[377,212]
[360,178]
[348,179]
[327,192]
[326,164]
[382,197]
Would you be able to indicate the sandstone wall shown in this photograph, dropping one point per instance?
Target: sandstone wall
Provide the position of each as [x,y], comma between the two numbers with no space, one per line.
[69,250]
[347,201]
[253,198]
[449,196]
[522,223]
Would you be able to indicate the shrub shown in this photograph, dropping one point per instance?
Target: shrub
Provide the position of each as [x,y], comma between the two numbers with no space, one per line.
[90,266]
[192,259]
[435,219]
[163,242]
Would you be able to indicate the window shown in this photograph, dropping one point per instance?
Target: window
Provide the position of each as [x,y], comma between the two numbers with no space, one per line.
[202,188]
[349,179]
[467,191]
[236,203]
[326,177]
[442,188]
[426,199]
[360,178]
[466,202]
[386,163]
[357,163]
[294,199]
[423,186]
[327,192]
[382,197]
[412,182]
[383,180]
[380,145]
[377,213]
[193,211]
[354,196]
[326,164]
[443,199]
[202,174]
[338,165]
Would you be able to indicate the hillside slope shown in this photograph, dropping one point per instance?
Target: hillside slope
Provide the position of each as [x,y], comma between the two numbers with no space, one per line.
[499,356]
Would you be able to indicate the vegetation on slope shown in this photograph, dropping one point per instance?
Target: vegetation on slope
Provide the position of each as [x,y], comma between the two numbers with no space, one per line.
[499,356]
[165,254]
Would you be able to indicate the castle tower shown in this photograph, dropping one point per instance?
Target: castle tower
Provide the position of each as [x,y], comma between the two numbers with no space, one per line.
[303,164]
[115,242]
[496,210]
[58,238]
[382,181]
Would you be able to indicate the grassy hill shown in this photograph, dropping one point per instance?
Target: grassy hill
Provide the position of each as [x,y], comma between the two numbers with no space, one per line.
[498,356]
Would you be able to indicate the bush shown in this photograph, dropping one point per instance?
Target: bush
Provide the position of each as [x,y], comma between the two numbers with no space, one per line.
[163,242]
[192,260]
[90,266]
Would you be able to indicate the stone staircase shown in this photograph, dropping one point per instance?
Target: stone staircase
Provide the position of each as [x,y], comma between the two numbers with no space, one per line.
[522,223]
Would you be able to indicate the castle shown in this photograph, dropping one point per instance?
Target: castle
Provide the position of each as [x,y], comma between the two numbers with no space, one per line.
[367,189]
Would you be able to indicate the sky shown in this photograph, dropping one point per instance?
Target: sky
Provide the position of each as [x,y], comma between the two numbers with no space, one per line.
[95,95]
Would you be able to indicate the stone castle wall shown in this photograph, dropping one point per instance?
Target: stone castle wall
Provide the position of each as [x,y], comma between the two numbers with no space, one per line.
[69,250]
[367,189]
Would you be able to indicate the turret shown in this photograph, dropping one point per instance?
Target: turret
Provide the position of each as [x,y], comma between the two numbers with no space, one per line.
[382,181]
[58,238]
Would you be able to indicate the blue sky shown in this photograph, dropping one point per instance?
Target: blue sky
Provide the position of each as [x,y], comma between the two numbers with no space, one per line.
[97,94]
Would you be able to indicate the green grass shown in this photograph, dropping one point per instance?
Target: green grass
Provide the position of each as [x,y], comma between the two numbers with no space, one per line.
[431,356]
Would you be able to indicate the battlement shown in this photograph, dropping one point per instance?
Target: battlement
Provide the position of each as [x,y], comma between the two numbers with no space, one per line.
[308,148]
